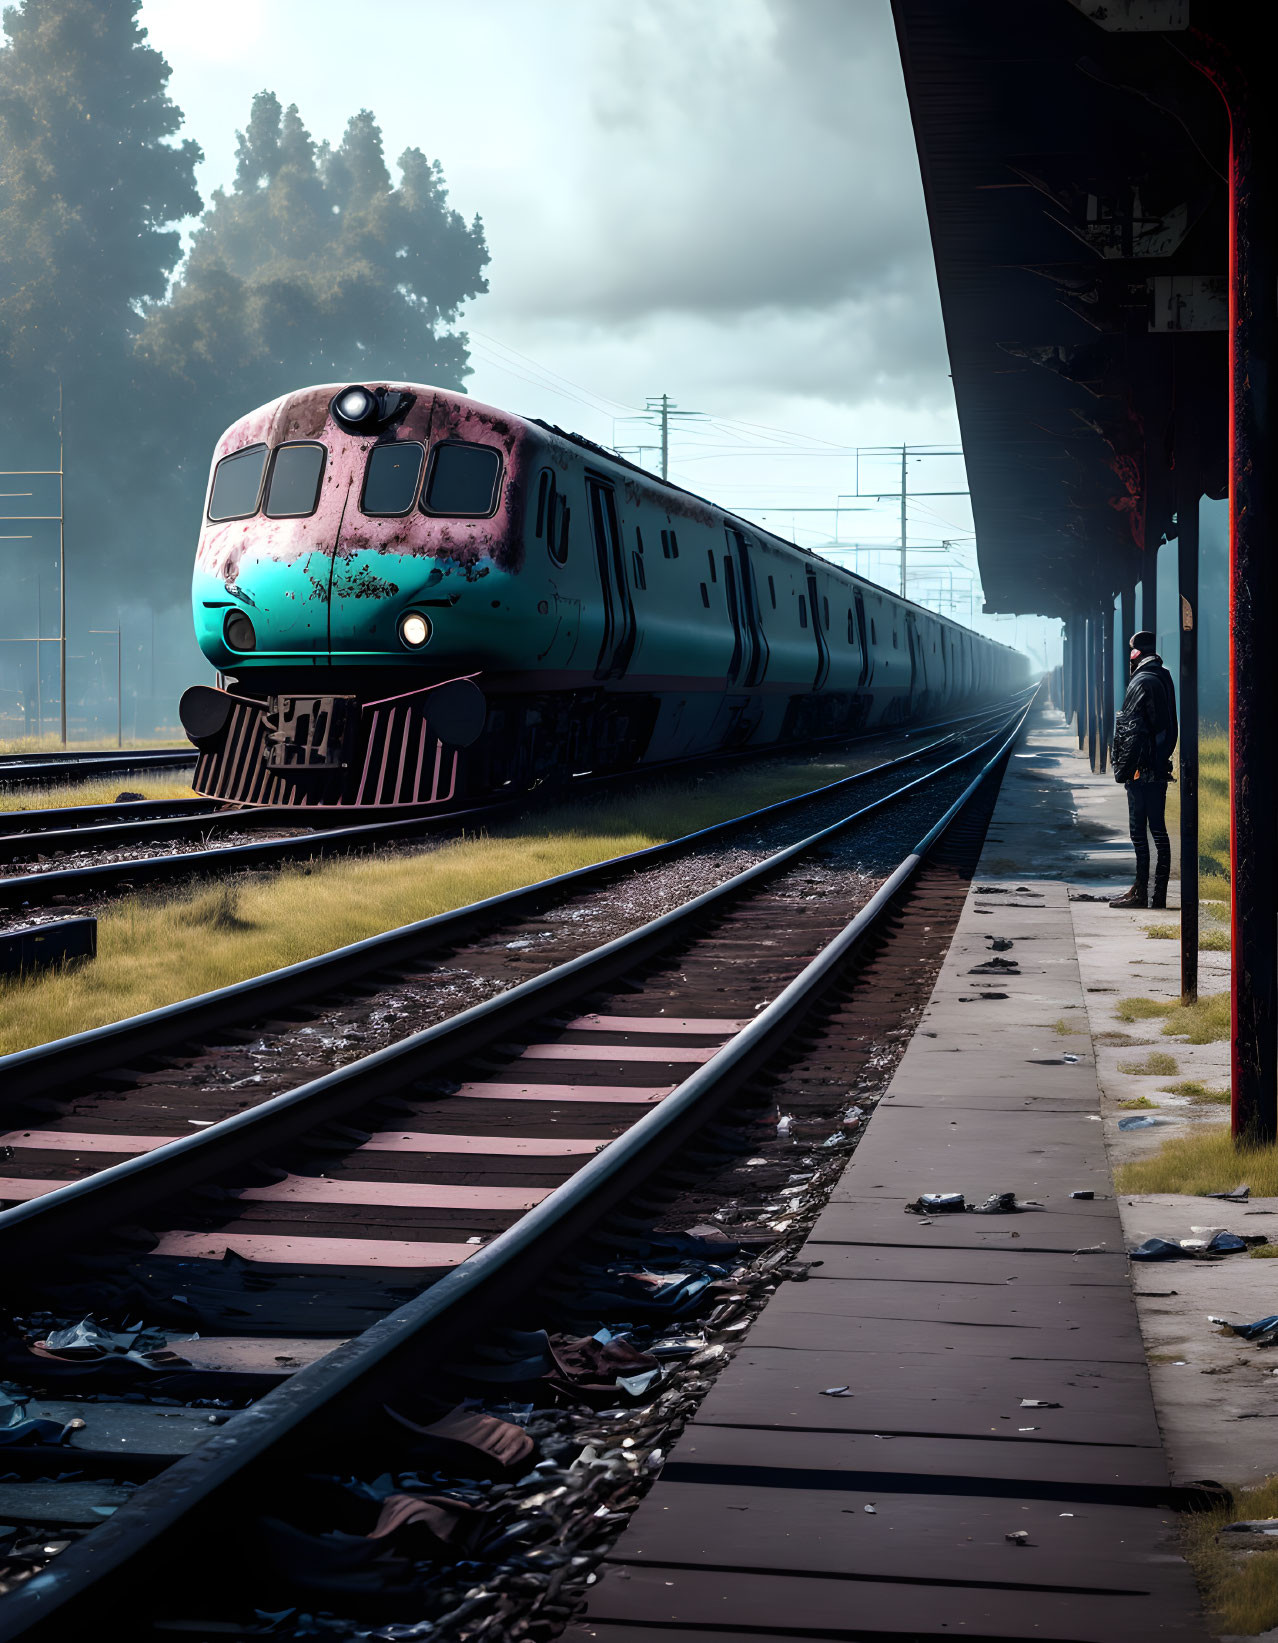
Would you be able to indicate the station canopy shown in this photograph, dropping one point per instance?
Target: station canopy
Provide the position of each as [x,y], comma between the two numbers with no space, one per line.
[1074,167]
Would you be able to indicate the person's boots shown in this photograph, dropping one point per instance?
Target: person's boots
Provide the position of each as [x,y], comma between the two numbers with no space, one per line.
[1159,897]
[1137,896]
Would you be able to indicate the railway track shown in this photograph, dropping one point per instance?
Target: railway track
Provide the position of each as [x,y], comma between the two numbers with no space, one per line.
[48,769]
[45,835]
[459,1172]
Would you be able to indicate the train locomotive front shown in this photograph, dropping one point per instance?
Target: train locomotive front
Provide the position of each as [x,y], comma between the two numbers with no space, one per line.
[412,598]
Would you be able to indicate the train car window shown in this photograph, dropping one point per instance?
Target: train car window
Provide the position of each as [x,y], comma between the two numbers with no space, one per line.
[237,483]
[874,632]
[558,546]
[895,641]
[543,485]
[665,544]
[705,596]
[463,480]
[641,581]
[825,612]
[390,480]
[293,489]
[803,611]
[714,575]
[674,545]
[772,592]
[851,628]
[638,540]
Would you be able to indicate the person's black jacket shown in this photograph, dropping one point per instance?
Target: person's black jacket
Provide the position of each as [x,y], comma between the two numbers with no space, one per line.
[1145,731]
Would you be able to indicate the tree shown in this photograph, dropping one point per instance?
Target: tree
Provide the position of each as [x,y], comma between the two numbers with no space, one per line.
[90,184]
[318,266]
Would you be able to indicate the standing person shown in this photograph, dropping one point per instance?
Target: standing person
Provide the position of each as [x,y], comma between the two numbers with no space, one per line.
[1145,733]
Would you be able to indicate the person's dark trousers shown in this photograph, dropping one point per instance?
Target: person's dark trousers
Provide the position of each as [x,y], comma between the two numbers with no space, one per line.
[1147,809]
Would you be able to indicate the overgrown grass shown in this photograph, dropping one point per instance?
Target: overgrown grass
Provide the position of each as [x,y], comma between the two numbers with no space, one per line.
[1192,1090]
[169,784]
[156,948]
[1157,1064]
[1066,1029]
[1213,811]
[1204,1022]
[1239,1589]
[51,742]
[1209,941]
[1206,1161]
[1138,1101]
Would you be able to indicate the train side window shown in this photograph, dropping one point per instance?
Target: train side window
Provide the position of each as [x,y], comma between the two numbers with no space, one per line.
[803,610]
[638,539]
[851,628]
[714,575]
[463,480]
[825,612]
[705,596]
[874,632]
[674,545]
[557,544]
[390,480]
[641,581]
[293,489]
[895,642]
[237,484]
[772,592]
[543,486]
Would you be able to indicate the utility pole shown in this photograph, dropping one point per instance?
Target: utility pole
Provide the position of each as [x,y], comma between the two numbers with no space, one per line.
[904,449]
[664,408]
[62,574]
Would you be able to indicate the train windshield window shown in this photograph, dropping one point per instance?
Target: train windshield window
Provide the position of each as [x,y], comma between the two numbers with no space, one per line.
[293,488]
[463,480]
[236,484]
[390,480]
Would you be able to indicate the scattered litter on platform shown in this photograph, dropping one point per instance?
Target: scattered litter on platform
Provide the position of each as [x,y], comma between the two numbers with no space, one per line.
[1143,1122]
[1264,1332]
[1038,1403]
[1211,1241]
[1018,1537]
[946,1203]
[836,1392]
[937,1203]
[996,967]
[1087,1194]
[1238,1195]
[1257,1526]
[872,1510]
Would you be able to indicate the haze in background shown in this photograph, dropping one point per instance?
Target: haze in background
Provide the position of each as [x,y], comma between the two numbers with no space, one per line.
[720,202]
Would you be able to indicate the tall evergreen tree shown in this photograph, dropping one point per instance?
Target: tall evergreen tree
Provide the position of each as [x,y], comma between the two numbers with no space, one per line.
[90,183]
[318,265]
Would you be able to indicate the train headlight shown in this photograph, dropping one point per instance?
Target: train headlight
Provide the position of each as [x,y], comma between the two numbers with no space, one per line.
[356,409]
[238,631]
[414,630]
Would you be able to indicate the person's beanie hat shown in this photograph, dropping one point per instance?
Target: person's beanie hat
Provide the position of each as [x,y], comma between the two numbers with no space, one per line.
[1144,640]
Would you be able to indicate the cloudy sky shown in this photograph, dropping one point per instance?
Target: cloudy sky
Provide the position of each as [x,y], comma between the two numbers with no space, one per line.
[714,199]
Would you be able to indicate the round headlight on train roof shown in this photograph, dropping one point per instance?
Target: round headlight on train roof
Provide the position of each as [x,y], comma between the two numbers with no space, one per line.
[238,631]
[414,630]
[355,408]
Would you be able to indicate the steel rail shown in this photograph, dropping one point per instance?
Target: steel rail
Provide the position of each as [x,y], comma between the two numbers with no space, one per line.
[32,825]
[303,1414]
[355,833]
[81,1055]
[34,1229]
[25,768]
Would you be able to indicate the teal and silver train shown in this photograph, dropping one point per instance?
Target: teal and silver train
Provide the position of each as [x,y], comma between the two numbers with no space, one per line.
[412,598]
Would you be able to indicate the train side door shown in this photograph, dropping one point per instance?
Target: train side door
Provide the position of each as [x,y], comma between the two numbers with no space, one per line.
[823,649]
[750,646]
[863,634]
[619,628]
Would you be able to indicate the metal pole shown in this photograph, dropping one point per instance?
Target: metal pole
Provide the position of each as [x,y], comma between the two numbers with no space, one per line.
[119,688]
[1187,567]
[665,436]
[1092,715]
[1149,592]
[904,449]
[1080,681]
[1253,669]
[1106,679]
[1067,680]
[62,575]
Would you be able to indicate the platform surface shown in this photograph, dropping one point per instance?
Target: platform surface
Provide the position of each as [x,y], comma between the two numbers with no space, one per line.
[784,1512]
